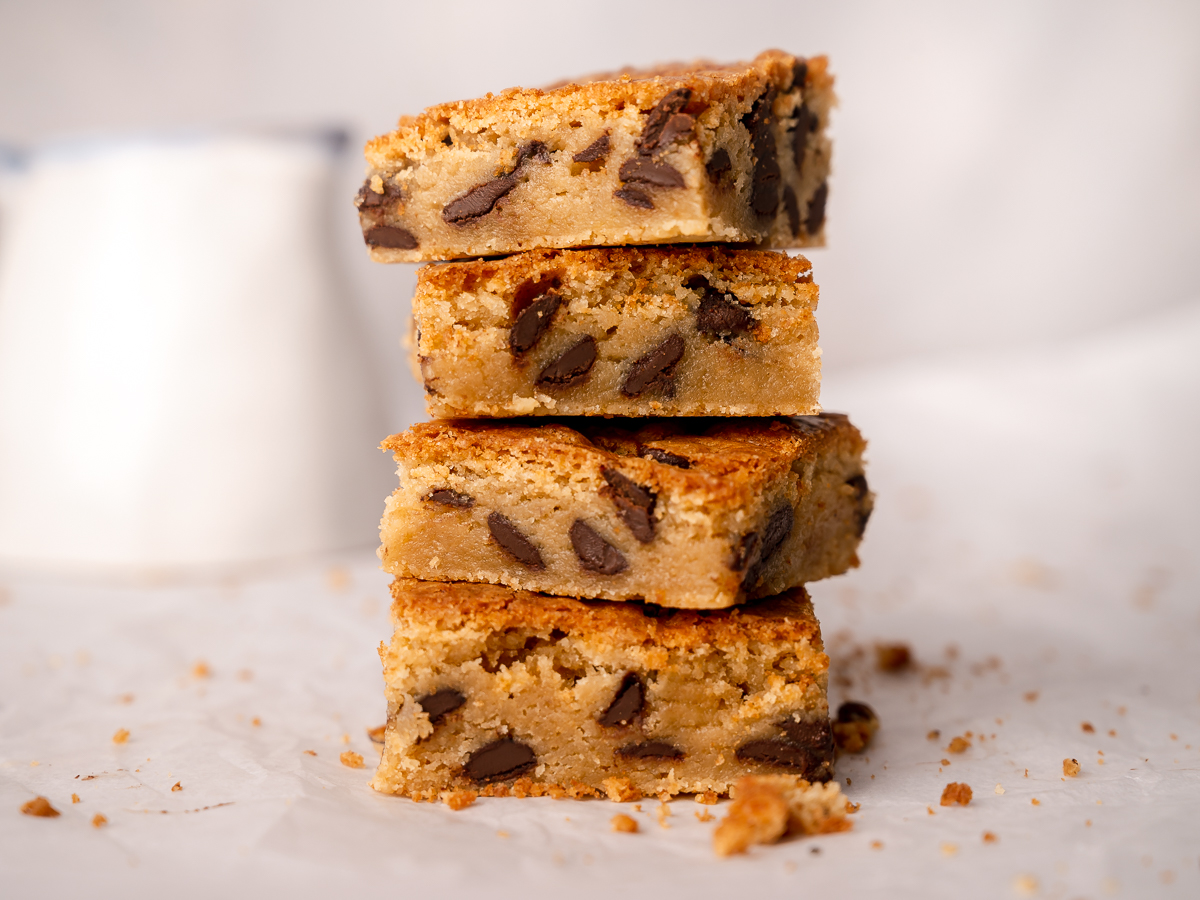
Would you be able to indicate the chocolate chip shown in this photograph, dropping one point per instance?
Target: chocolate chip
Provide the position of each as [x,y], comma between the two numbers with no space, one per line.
[718,164]
[815,424]
[859,483]
[764,191]
[448,141]
[481,199]
[366,198]
[447,497]
[793,210]
[595,151]
[532,322]
[650,750]
[500,760]
[440,703]
[756,550]
[571,365]
[634,503]
[678,126]
[861,493]
[513,542]
[634,197]
[720,315]
[816,209]
[594,552]
[643,170]
[391,236]
[656,369]
[806,123]
[799,72]
[626,704]
[853,711]
[666,458]
[806,747]
[659,116]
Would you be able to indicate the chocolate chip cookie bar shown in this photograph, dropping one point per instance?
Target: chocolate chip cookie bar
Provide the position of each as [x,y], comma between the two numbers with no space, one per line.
[689,513]
[622,331]
[505,692]
[700,152]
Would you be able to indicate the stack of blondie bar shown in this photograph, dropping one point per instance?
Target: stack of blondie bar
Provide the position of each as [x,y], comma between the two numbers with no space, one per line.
[600,543]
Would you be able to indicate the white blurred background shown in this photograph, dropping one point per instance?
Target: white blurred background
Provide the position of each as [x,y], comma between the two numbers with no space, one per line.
[1006,175]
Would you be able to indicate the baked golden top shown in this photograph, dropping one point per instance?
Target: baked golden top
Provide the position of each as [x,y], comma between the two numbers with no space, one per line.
[727,459]
[490,607]
[504,276]
[518,110]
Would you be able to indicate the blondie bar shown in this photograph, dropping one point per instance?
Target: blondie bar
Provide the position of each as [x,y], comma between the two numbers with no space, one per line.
[622,331]
[699,152]
[507,692]
[697,513]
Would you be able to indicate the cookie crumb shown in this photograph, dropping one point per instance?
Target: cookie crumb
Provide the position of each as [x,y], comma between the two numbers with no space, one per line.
[176,787]
[351,760]
[876,845]
[1025,885]
[621,790]
[501,834]
[625,824]
[121,736]
[1071,767]
[765,807]
[310,752]
[959,745]
[1036,802]
[945,762]
[376,734]
[933,735]
[949,849]
[457,800]
[663,812]
[999,789]
[989,837]
[39,806]
[703,815]
[854,727]
[892,657]
[958,793]
[708,798]
[256,722]
[201,669]
[99,820]
[1087,727]
[74,798]
[1031,696]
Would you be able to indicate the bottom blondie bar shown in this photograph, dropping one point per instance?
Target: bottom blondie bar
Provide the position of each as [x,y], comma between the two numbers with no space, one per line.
[503,692]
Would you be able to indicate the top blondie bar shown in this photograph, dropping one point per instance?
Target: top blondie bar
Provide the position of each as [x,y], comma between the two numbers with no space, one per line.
[683,153]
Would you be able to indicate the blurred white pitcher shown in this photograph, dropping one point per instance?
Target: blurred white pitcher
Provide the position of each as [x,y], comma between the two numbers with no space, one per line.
[182,383]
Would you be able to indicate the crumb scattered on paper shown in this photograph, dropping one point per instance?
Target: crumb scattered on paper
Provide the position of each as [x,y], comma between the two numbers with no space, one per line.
[177,786]
[624,823]
[74,798]
[958,793]
[1071,767]
[892,657]
[703,815]
[201,669]
[457,800]
[376,734]
[39,806]
[989,837]
[99,820]
[121,736]
[766,807]
[1088,727]
[959,745]
[351,760]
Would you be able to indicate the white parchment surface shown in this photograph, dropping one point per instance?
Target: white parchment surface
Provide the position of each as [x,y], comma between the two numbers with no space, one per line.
[1035,542]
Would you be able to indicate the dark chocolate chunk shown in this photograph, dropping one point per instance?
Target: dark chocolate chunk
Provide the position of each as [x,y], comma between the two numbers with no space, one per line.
[440,703]
[696,283]
[662,456]
[659,116]
[634,197]
[447,497]
[806,123]
[500,760]
[853,711]
[513,542]
[643,170]
[816,209]
[634,502]
[764,191]
[366,198]
[806,747]
[799,72]
[816,424]
[779,526]
[595,151]
[448,141]
[678,126]
[650,750]
[532,322]
[859,483]
[793,210]
[656,369]
[572,364]
[391,236]
[720,315]
[481,199]
[718,164]
[626,704]
[756,550]
[746,553]
[861,493]
[594,552]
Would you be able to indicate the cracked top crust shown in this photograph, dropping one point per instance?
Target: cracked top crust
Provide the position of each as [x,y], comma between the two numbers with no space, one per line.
[729,459]
[513,111]
[457,605]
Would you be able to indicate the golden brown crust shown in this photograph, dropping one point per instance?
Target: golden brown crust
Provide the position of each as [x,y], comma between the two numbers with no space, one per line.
[453,605]
[730,458]
[605,94]
[502,276]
